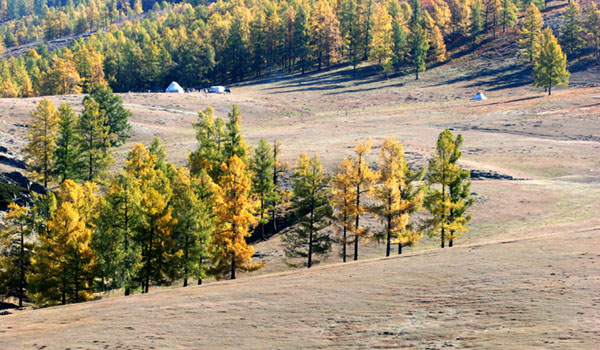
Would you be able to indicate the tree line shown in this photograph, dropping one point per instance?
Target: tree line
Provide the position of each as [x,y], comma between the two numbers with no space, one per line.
[233,41]
[154,223]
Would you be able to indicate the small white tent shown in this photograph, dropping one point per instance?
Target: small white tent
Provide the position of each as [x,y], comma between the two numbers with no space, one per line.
[479,96]
[174,87]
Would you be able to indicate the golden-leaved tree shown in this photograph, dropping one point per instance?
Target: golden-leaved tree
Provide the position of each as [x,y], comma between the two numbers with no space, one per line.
[531,29]
[234,208]
[63,264]
[395,201]
[550,67]
[343,202]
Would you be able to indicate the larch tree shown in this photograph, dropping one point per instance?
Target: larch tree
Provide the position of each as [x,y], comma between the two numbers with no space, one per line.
[363,179]
[262,167]
[154,234]
[381,44]
[365,10]
[326,33]
[460,195]
[476,19]
[118,254]
[117,116]
[343,195]
[234,209]
[312,206]
[550,67]
[62,77]
[392,207]
[208,156]
[42,135]
[234,143]
[15,252]
[508,14]
[193,225]
[419,44]
[442,173]
[531,29]
[94,146]
[437,45]
[592,25]
[350,27]
[63,264]
[66,155]
[399,36]
[571,32]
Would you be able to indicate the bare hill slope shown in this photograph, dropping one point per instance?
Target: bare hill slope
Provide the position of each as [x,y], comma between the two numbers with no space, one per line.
[534,293]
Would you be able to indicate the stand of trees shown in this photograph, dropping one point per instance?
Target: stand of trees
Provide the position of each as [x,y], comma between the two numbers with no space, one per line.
[233,41]
[153,223]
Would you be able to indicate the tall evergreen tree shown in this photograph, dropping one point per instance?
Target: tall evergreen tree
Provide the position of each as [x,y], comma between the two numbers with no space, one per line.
[117,117]
[508,14]
[313,208]
[66,155]
[531,29]
[42,141]
[419,43]
[571,30]
[460,192]
[95,153]
[592,25]
[343,201]
[550,67]
[262,180]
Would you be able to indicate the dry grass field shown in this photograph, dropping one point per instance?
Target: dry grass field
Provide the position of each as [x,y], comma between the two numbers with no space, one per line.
[525,276]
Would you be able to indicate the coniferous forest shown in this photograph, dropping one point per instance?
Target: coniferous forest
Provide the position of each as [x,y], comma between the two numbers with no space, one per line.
[144,45]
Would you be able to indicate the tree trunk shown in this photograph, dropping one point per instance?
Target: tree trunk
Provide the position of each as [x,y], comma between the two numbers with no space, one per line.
[389,229]
[399,248]
[310,238]
[417,73]
[262,214]
[443,217]
[549,89]
[22,270]
[232,265]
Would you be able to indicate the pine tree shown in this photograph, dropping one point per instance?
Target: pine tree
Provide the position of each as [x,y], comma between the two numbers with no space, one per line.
[262,180]
[63,264]
[550,64]
[234,143]
[350,27]
[116,115]
[593,28]
[343,195]
[392,206]
[15,252]
[313,209]
[531,29]
[362,179]
[437,45]
[419,43]
[508,14]
[234,209]
[280,195]
[194,223]
[42,141]
[442,173]
[571,30]
[94,147]
[66,155]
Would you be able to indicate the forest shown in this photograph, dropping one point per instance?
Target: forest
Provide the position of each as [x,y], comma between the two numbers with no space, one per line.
[145,45]
[153,224]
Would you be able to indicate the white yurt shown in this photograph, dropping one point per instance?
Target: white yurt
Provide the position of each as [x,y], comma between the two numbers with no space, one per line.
[479,96]
[174,87]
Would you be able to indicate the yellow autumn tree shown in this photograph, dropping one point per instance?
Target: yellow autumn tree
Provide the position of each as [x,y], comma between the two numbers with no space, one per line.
[343,202]
[326,33]
[381,44]
[63,265]
[234,208]
[394,196]
[438,46]
[62,78]
[362,178]
[530,31]
[42,136]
